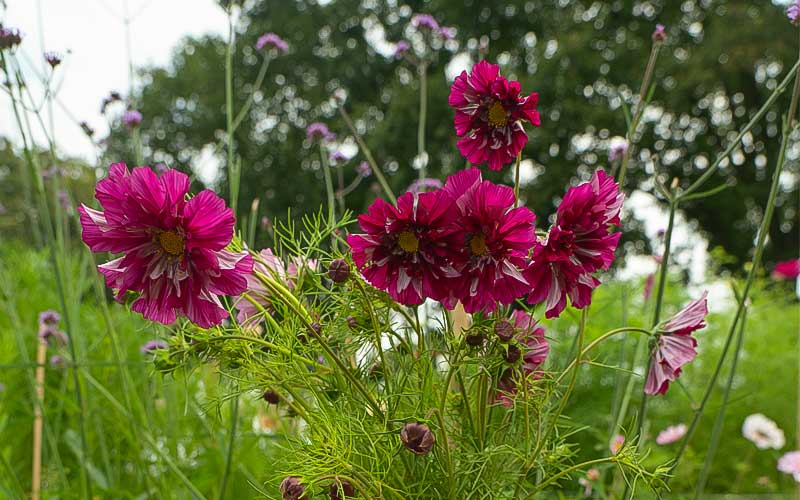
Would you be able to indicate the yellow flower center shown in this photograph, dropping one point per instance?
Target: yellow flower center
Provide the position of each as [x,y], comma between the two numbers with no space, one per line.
[478,245]
[497,115]
[408,241]
[171,242]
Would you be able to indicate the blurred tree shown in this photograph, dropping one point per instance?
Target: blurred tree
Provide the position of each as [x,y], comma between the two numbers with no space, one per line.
[585,58]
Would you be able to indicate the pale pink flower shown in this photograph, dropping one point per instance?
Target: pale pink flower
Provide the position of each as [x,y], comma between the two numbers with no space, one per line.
[616,444]
[671,434]
[790,464]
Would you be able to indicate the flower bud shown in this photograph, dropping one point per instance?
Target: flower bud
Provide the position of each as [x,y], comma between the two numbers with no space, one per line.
[271,397]
[417,438]
[512,354]
[504,330]
[292,489]
[352,322]
[341,489]
[474,339]
[339,270]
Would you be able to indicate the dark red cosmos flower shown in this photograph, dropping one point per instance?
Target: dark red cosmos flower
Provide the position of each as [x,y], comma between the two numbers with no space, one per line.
[490,112]
[577,245]
[408,251]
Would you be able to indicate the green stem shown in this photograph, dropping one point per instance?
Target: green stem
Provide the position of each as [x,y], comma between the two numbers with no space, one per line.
[233,171]
[516,179]
[648,75]
[368,154]
[377,330]
[716,432]
[257,85]
[569,470]
[326,173]
[759,249]
[231,444]
[598,341]
[423,111]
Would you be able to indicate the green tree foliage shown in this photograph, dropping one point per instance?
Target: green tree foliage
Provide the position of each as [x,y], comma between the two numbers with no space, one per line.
[585,59]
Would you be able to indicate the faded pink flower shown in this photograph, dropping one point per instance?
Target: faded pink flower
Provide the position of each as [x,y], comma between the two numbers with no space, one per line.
[577,245]
[408,250]
[671,434]
[616,444]
[173,249]
[787,269]
[675,346]
[495,237]
[593,474]
[789,463]
[490,115]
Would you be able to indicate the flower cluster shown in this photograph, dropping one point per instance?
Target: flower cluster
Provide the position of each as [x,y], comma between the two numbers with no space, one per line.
[49,332]
[174,248]
[535,348]
[469,242]
[273,41]
[427,23]
[9,37]
[132,118]
[490,115]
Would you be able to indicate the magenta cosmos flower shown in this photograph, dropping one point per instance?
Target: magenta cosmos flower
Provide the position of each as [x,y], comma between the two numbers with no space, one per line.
[535,349]
[675,345]
[408,251]
[786,270]
[173,249]
[577,245]
[490,112]
[495,238]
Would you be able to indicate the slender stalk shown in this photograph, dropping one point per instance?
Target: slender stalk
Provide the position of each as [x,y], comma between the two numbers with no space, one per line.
[516,179]
[233,171]
[762,236]
[36,467]
[736,141]
[326,172]
[368,154]
[716,432]
[423,111]
[599,340]
[550,480]
[262,72]
[634,124]
[378,332]
[231,443]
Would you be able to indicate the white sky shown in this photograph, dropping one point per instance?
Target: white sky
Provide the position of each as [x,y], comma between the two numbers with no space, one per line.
[90,35]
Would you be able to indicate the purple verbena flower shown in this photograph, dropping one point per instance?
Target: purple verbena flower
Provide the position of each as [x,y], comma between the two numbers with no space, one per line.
[319,130]
[132,118]
[400,48]
[271,40]
[151,346]
[363,169]
[424,185]
[9,38]
[52,58]
[425,21]
[659,34]
[793,12]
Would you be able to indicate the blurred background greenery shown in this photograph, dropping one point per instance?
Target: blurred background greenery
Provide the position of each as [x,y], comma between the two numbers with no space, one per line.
[585,58]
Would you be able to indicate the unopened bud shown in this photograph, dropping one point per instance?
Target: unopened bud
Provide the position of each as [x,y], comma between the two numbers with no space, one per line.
[271,397]
[292,489]
[417,438]
[339,270]
[341,489]
[512,354]
[504,330]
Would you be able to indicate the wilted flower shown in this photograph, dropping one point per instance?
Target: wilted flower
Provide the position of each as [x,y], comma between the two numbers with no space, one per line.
[490,113]
[363,169]
[319,130]
[535,348]
[659,34]
[52,58]
[675,345]
[152,346]
[504,330]
[424,185]
[495,238]
[763,432]
[132,118]
[793,12]
[616,444]
[400,48]
[786,269]
[292,489]
[789,463]
[341,489]
[577,245]
[417,438]
[173,249]
[9,37]
[271,40]
[671,434]
[408,250]
[617,149]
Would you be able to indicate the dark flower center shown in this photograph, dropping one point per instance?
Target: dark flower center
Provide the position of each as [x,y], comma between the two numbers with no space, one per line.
[171,242]
[498,116]
[408,241]
[478,245]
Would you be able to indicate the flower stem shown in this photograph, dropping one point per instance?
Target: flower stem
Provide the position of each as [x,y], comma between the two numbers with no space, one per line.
[759,249]
[716,432]
[363,145]
[423,111]
[326,172]
[233,170]
[597,342]
[634,124]
[516,179]
[262,72]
